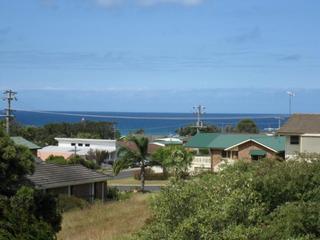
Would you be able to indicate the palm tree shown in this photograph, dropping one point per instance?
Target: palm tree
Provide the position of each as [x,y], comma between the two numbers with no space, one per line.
[129,157]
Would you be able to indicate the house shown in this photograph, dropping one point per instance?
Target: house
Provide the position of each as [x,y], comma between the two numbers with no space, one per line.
[168,141]
[30,145]
[68,146]
[71,180]
[213,148]
[302,134]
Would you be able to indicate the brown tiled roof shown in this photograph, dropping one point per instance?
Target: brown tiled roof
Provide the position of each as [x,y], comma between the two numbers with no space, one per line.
[301,124]
[48,175]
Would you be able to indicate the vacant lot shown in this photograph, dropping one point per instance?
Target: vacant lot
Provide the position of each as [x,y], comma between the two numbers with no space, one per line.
[111,221]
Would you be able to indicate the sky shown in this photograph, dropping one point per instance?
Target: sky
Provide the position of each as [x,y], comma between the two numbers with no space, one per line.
[161,55]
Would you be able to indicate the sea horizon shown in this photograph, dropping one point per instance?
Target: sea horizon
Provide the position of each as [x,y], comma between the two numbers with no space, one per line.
[154,123]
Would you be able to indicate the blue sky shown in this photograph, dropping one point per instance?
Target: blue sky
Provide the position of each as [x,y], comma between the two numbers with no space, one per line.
[161,55]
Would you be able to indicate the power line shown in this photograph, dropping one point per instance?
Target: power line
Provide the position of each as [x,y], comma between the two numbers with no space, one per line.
[9,97]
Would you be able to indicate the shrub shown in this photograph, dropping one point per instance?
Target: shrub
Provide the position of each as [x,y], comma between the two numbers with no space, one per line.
[261,200]
[67,203]
[151,175]
[79,160]
[56,160]
[112,193]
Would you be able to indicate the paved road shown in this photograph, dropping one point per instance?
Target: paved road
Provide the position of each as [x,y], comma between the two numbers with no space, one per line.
[124,174]
[147,188]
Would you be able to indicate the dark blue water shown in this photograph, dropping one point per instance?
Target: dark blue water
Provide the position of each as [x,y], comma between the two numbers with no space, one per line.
[149,124]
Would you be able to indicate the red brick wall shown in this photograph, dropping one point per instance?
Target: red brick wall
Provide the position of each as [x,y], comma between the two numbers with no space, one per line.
[244,150]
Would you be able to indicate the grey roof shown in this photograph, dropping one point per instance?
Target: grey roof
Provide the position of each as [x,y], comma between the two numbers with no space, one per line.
[301,124]
[48,175]
[24,142]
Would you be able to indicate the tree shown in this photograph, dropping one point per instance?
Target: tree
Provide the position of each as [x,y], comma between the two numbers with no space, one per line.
[97,156]
[45,135]
[76,159]
[25,213]
[128,157]
[192,130]
[247,126]
[262,200]
[175,159]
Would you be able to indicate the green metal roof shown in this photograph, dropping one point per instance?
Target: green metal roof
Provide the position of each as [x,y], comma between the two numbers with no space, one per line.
[24,142]
[224,141]
[258,153]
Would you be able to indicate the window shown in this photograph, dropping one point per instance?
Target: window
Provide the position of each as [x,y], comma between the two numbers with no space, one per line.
[87,145]
[80,144]
[73,144]
[295,140]
[224,154]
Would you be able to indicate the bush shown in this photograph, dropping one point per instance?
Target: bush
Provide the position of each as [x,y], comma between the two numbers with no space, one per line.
[150,175]
[112,193]
[56,160]
[86,163]
[67,203]
[261,200]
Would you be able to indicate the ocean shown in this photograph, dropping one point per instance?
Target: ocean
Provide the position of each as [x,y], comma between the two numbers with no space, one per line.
[152,123]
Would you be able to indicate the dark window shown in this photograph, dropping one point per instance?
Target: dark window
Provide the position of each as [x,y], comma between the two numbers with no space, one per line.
[87,145]
[73,144]
[80,144]
[224,154]
[294,140]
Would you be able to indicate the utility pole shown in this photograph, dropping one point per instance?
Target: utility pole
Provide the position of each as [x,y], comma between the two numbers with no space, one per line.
[114,130]
[9,96]
[199,111]
[291,95]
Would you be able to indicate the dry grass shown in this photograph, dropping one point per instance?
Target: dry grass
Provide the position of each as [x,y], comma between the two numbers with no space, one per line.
[111,221]
[133,182]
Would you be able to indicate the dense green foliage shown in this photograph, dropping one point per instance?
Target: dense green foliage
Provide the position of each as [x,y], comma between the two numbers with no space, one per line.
[254,201]
[45,135]
[247,126]
[25,213]
[92,160]
[192,130]
[128,157]
[73,160]
[174,159]
[97,156]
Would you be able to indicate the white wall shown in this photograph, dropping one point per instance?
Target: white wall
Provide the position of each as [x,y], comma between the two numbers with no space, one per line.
[291,149]
[103,144]
[310,144]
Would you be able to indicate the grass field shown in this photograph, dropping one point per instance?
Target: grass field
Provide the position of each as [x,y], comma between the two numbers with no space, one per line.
[133,182]
[109,221]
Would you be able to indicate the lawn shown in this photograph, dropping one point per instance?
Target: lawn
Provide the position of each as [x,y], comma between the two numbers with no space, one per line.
[109,221]
[133,182]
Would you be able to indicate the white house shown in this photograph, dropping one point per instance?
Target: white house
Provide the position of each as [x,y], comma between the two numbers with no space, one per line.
[69,146]
[302,132]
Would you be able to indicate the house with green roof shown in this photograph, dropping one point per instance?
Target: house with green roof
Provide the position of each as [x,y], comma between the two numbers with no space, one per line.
[236,146]
[24,142]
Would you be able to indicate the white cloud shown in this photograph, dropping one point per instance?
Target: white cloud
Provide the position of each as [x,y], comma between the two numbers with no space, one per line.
[146,3]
